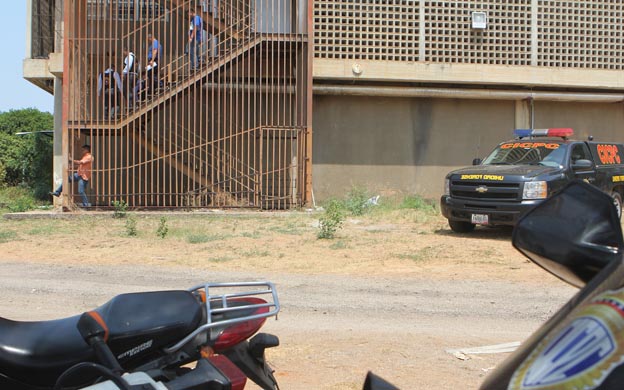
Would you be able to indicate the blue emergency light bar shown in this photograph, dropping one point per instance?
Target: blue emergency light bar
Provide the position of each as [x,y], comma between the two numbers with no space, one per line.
[556,132]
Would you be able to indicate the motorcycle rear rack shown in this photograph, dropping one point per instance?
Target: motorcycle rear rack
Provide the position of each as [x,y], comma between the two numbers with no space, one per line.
[250,289]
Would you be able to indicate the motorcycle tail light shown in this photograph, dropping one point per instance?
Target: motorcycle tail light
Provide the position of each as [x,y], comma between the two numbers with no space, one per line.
[235,375]
[234,334]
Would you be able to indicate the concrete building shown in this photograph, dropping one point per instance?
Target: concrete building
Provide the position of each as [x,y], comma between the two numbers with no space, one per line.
[391,95]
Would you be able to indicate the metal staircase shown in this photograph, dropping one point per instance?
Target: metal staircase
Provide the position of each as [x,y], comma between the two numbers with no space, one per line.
[225,135]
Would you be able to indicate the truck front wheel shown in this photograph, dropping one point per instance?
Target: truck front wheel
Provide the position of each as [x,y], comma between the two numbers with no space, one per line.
[617,202]
[461,226]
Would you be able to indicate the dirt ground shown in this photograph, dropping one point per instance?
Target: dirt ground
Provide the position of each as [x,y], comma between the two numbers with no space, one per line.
[391,293]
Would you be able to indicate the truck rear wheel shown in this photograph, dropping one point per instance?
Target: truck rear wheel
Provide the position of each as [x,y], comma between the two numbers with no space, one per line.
[461,226]
[617,202]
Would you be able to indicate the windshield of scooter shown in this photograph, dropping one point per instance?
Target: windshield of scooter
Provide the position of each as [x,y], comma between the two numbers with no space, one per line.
[548,153]
[573,235]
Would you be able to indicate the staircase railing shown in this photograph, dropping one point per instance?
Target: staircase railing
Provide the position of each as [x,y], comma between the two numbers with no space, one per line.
[231,170]
[177,71]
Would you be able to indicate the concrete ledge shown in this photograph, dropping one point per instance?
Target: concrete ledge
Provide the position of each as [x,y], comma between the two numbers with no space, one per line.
[36,69]
[55,64]
[526,76]
[83,214]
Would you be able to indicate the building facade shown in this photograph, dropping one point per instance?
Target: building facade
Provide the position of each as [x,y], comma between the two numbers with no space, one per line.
[301,99]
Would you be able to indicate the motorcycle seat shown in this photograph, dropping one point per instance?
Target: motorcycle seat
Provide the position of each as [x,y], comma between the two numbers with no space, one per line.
[37,353]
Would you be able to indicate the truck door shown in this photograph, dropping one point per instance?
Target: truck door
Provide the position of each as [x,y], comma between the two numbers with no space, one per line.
[579,158]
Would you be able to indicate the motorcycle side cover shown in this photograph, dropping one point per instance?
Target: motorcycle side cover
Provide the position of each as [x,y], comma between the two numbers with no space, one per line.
[576,235]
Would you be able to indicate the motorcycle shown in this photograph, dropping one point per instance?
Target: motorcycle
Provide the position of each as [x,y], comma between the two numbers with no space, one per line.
[576,235]
[162,340]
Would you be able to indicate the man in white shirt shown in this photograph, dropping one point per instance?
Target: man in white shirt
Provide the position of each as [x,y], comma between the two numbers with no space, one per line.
[129,75]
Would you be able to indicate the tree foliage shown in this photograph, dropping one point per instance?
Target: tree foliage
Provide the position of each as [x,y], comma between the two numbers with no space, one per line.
[26,159]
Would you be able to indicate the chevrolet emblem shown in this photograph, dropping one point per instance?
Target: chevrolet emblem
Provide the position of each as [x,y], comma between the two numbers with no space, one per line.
[481,189]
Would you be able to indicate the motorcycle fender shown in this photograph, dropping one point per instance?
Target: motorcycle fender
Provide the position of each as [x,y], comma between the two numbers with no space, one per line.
[251,361]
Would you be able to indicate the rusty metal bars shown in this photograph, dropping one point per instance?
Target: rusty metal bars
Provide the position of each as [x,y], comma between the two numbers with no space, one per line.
[229,132]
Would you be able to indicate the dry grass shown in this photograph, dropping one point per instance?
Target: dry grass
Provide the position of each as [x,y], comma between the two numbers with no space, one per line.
[393,242]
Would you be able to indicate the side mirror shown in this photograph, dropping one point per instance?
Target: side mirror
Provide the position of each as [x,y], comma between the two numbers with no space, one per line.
[573,235]
[580,165]
[373,382]
[477,161]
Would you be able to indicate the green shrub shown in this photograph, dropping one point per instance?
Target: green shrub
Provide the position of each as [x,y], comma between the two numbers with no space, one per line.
[131,226]
[331,220]
[2,175]
[356,201]
[163,229]
[17,199]
[26,159]
[121,208]
[417,202]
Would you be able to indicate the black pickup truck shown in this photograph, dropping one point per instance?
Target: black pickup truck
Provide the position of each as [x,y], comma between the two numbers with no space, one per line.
[521,173]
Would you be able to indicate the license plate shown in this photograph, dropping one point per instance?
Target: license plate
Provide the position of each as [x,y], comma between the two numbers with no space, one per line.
[479,219]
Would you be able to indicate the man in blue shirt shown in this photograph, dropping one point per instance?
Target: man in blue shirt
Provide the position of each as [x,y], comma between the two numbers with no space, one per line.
[196,28]
[154,52]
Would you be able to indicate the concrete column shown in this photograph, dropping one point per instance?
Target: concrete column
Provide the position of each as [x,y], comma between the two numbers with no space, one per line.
[534,32]
[57,148]
[421,31]
[28,29]
[523,114]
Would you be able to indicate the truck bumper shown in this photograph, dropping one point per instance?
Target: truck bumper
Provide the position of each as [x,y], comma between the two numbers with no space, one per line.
[499,213]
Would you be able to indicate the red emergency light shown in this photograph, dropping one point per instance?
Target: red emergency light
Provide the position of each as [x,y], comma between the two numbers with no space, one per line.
[563,132]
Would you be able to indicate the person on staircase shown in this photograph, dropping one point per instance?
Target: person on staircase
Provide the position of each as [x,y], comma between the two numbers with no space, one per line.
[110,88]
[154,54]
[128,76]
[196,28]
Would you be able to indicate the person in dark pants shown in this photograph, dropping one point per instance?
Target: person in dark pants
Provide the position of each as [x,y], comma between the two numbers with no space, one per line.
[128,75]
[82,175]
[110,88]
[154,51]
[196,28]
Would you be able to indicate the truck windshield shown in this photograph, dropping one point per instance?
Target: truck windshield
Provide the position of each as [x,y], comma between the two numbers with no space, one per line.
[527,153]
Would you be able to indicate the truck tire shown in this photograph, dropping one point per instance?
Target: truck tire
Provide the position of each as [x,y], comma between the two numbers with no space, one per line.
[461,226]
[617,202]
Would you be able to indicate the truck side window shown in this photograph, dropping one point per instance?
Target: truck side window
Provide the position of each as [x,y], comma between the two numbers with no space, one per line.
[580,152]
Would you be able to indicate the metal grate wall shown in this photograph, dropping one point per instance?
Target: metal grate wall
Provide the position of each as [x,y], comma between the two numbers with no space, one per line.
[449,37]
[371,30]
[231,132]
[581,34]
[570,34]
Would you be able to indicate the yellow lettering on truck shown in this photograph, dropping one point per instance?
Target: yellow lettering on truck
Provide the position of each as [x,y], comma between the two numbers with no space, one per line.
[471,177]
[483,177]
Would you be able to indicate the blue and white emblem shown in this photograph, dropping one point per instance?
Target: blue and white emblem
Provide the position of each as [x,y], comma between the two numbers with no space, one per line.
[582,354]
[585,343]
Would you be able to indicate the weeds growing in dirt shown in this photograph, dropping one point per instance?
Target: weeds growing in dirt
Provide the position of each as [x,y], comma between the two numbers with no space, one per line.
[419,255]
[121,208]
[338,245]
[131,226]
[255,253]
[331,220]
[356,201]
[200,238]
[17,199]
[7,235]
[220,259]
[417,202]
[163,229]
